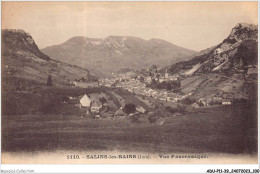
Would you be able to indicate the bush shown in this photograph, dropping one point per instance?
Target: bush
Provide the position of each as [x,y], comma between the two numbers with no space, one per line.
[103,100]
[153,118]
[171,110]
[49,81]
[129,108]
[169,85]
[188,101]
[65,99]
[178,109]
[135,118]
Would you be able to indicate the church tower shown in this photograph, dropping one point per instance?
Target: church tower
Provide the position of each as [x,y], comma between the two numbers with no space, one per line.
[166,74]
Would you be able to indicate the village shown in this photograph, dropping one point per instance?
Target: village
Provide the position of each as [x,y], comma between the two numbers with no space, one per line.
[133,91]
[140,92]
[138,84]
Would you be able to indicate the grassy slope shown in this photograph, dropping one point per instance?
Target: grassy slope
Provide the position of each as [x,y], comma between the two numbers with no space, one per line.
[228,129]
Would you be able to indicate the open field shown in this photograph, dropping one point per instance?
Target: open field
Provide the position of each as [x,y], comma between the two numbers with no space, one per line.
[222,129]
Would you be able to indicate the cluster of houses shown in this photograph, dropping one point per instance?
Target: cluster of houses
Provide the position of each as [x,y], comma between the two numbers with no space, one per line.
[211,102]
[86,104]
[146,77]
[157,76]
[136,83]
[92,105]
[132,82]
[84,82]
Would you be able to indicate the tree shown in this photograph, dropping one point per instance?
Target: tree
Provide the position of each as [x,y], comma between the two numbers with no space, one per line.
[65,99]
[141,79]
[154,67]
[153,81]
[158,77]
[103,100]
[153,118]
[135,118]
[49,81]
[129,108]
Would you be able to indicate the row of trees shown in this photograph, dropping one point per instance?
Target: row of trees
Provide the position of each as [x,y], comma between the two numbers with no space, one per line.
[168,85]
[49,81]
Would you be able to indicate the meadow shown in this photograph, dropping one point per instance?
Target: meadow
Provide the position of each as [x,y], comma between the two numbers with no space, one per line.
[221,129]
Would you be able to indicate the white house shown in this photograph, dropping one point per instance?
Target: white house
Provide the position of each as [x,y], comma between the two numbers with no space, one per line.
[141,109]
[195,105]
[218,51]
[72,97]
[85,101]
[226,102]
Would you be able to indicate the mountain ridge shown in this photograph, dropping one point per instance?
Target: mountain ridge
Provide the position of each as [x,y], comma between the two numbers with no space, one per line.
[228,70]
[116,52]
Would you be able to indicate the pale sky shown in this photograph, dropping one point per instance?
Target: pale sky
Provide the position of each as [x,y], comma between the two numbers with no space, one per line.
[193,25]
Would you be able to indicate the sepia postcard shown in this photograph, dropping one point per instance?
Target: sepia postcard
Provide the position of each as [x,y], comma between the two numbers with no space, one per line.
[129,82]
